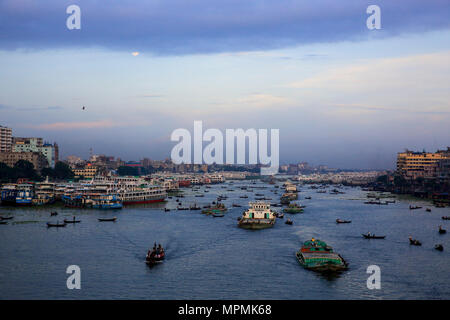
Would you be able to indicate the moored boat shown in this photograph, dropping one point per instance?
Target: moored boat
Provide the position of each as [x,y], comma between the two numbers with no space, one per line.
[316,255]
[57,224]
[372,236]
[343,221]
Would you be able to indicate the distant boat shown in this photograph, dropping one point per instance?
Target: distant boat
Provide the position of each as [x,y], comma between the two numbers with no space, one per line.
[6,218]
[57,224]
[289,221]
[439,247]
[107,219]
[442,231]
[72,221]
[372,236]
[3,222]
[446,218]
[343,221]
[414,207]
[414,242]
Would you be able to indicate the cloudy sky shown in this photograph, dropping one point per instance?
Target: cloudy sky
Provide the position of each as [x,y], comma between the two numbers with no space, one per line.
[342,95]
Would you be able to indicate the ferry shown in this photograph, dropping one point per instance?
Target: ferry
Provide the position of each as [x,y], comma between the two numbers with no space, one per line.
[44,193]
[24,194]
[9,194]
[107,202]
[316,255]
[258,216]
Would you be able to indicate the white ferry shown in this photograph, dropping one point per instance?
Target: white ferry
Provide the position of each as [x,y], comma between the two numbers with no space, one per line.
[258,216]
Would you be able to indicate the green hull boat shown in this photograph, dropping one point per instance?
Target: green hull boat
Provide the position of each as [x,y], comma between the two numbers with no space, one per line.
[316,255]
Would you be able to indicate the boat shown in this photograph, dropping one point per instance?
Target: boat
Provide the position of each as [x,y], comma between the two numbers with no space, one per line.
[218,215]
[166,209]
[3,222]
[218,208]
[414,207]
[280,215]
[194,207]
[414,242]
[57,224]
[106,202]
[316,255]
[442,231]
[156,255]
[445,218]
[293,208]
[53,213]
[439,247]
[24,195]
[236,205]
[8,194]
[289,221]
[308,198]
[107,219]
[258,216]
[428,210]
[72,221]
[343,221]
[372,236]
[285,199]
[6,218]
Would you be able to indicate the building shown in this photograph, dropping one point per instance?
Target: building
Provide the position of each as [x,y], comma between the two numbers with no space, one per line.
[37,145]
[88,172]
[5,139]
[413,165]
[38,160]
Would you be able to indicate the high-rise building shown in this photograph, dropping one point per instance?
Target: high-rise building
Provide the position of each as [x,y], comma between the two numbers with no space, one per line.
[413,165]
[5,139]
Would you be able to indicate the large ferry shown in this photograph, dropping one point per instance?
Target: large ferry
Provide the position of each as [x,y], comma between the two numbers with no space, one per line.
[44,193]
[258,216]
[129,190]
[9,194]
[318,256]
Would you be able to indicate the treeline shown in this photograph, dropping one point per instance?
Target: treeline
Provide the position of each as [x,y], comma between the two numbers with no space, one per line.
[25,169]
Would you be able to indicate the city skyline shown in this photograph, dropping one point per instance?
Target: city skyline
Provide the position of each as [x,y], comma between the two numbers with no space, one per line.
[341,95]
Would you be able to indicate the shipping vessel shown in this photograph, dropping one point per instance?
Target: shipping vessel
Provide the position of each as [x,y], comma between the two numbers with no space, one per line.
[258,216]
[316,255]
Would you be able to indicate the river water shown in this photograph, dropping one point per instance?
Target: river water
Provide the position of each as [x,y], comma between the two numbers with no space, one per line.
[211,258]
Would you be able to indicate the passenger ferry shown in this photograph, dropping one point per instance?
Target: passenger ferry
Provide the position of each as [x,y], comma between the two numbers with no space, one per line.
[107,202]
[24,195]
[9,194]
[258,216]
[129,190]
[44,193]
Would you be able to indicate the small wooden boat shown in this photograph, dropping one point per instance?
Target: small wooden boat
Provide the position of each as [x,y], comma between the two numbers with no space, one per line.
[236,205]
[107,219]
[446,218]
[57,224]
[372,236]
[414,207]
[6,218]
[428,210]
[3,222]
[308,198]
[72,221]
[280,215]
[439,247]
[54,213]
[442,231]
[195,207]
[289,221]
[166,209]
[414,242]
[156,255]
[343,221]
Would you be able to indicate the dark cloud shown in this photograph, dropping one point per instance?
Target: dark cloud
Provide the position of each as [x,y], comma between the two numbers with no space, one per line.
[177,27]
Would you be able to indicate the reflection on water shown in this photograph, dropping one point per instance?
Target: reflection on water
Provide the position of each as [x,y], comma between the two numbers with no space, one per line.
[210,258]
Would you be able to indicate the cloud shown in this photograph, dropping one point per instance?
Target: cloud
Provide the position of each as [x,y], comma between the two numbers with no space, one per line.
[77,125]
[412,84]
[178,27]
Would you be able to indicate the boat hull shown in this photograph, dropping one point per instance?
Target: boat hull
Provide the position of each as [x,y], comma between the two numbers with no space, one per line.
[256,224]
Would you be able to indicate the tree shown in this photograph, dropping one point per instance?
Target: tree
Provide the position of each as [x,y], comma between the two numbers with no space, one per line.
[383,179]
[127,171]
[25,169]
[48,172]
[6,172]
[62,171]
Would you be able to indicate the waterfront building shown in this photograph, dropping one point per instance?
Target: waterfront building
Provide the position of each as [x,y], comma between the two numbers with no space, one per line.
[5,139]
[413,165]
[38,160]
[37,145]
[89,171]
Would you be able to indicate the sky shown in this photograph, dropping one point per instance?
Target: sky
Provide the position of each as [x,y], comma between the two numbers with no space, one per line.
[340,94]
